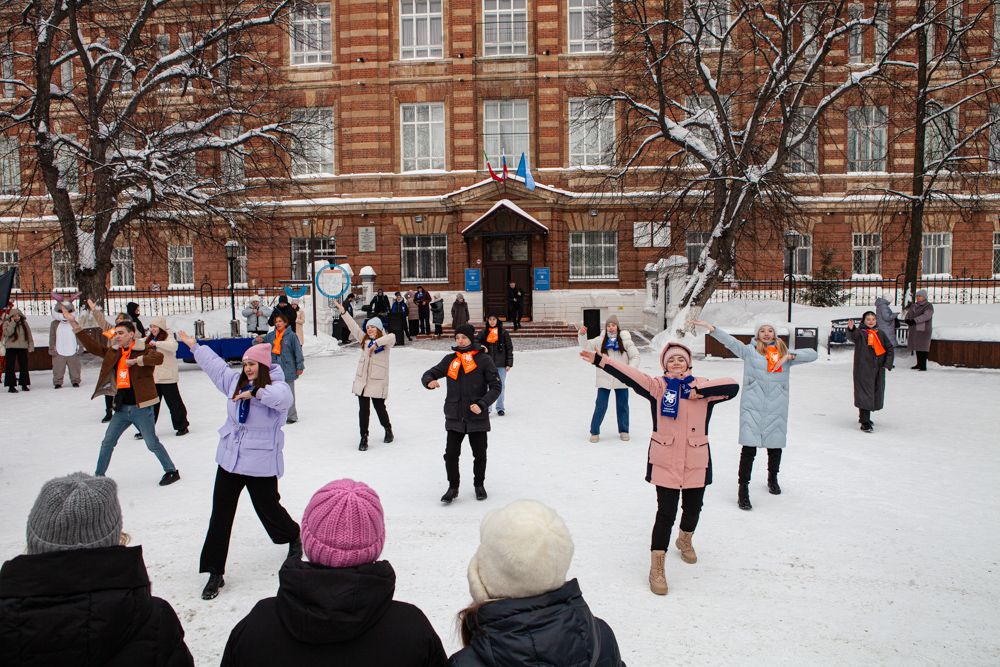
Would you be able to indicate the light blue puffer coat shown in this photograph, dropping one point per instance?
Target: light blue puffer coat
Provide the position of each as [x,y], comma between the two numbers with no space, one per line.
[764,397]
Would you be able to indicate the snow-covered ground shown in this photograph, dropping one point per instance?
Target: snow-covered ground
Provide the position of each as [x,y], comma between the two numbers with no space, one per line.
[883,548]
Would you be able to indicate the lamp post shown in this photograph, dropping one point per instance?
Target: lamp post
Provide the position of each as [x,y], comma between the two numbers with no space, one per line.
[232,248]
[791,242]
[312,271]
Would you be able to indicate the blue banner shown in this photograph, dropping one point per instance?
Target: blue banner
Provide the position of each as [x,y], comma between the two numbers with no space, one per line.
[472,282]
[542,279]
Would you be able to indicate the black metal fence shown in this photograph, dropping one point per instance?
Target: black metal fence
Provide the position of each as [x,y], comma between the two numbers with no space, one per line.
[862,292]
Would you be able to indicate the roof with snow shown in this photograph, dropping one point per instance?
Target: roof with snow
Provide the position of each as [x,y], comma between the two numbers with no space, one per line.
[505,217]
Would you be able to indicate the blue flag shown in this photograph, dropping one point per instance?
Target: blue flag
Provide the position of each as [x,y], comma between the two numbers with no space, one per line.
[525,173]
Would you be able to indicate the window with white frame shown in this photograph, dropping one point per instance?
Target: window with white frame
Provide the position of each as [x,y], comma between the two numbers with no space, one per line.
[942,133]
[591,133]
[993,138]
[936,258]
[867,138]
[505,130]
[424,258]
[7,70]
[804,158]
[122,269]
[802,254]
[422,130]
[180,266]
[706,21]
[421,29]
[856,38]
[702,116]
[650,235]
[11,259]
[231,165]
[881,30]
[323,247]
[593,255]
[162,51]
[67,164]
[311,42]
[810,29]
[953,16]
[996,254]
[312,148]
[505,27]
[10,166]
[241,274]
[589,26]
[996,28]
[694,245]
[867,250]
[66,67]
[63,277]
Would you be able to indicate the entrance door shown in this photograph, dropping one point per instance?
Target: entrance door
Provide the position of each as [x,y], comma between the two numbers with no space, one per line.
[506,259]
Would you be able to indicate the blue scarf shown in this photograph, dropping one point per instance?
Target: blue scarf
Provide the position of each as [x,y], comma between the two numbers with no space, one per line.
[677,389]
[378,348]
[244,407]
[611,343]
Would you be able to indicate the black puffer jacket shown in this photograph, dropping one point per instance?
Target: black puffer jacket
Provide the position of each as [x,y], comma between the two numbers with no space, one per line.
[86,607]
[481,386]
[334,616]
[555,629]
[502,351]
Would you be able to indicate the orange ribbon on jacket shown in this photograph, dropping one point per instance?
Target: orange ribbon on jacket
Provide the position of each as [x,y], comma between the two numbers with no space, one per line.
[493,336]
[463,360]
[875,343]
[122,380]
[278,335]
[773,357]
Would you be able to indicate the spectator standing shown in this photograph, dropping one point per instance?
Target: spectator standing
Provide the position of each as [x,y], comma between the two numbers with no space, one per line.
[284,309]
[19,343]
[919,316]
[515,304]
[412,316]
[257,316]
[423,300]
[459,311]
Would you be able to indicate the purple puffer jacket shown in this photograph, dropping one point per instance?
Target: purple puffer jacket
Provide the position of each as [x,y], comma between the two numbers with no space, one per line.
[253,448]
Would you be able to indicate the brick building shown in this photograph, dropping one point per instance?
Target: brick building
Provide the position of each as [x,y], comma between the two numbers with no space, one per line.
[399,102]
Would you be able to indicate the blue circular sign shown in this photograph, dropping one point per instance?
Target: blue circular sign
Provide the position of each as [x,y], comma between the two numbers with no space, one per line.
[328,282]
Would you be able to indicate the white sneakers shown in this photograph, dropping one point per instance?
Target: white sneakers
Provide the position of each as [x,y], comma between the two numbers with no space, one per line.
[624,437]
[595,438]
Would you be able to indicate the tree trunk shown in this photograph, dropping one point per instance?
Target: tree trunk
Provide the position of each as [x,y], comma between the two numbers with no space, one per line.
[92,284]
[916,240]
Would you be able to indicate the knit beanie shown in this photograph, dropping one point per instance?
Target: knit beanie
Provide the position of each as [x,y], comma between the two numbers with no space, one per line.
[675,347]
[375,322]
[75,512]
[614,319]
[466,330]
[524,550]
[343,525]
[261,353]
[921,292]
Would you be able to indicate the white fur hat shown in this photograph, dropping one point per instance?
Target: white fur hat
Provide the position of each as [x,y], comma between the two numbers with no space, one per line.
[524,550]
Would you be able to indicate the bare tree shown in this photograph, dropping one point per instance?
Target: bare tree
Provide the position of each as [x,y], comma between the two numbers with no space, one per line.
[142,114]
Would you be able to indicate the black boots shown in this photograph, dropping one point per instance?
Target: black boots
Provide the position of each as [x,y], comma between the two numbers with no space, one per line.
[450,495]
[772,484]
[211,591]
[363,445]
[169,478]
[295,548]
[867,427]
[480,492]
[388,435]
[743,499]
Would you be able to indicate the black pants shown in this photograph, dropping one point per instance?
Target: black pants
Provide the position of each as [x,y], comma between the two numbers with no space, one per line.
[364,412]
[413,328]
[921,361]
[666,513]
[864,416]
[178,412]
[108,403]
[453,450]
[438,329]
[280,527]
[16,358]
[515,316]
[425,319]
[746,462]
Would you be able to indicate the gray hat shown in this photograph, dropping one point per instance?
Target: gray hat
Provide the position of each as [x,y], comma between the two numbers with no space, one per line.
[75,512]
[921,292]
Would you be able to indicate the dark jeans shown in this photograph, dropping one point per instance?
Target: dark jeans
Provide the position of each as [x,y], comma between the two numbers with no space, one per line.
[922,361]
[142,419]
[514,315]
[746,462]
[413,328]
[438,329]
[16,358]
[364,412]
[453,449]
[864,416]
[601,407]
[280,527]
[424,319]
[178,412]
[666,513]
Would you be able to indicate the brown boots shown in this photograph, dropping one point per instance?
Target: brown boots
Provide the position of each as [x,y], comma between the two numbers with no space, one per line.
[683,543]
[657,579]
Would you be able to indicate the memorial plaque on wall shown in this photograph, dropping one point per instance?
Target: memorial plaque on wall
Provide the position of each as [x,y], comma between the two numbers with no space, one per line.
[366,239]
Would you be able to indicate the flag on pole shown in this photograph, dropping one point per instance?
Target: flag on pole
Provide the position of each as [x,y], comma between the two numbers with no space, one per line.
[525,173]
[493,174]
[503,157]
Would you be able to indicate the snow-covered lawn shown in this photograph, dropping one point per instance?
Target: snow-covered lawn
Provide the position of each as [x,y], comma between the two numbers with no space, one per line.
[883,548]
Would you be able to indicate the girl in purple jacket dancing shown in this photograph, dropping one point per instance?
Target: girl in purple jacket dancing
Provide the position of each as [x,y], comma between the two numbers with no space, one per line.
[249,453]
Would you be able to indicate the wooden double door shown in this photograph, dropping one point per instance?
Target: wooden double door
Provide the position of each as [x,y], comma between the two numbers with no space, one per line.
[506,259]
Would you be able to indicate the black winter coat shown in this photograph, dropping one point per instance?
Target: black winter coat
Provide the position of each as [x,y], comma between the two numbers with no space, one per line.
[86,607]
[502,351]
[869,369]
[555,628]
[379,304]
[334,616]
[286,311]
[515,298]
[481,386]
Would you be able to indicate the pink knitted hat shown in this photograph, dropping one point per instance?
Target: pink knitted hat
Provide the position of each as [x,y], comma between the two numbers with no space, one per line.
[343,525]
[677,347]
[260,353]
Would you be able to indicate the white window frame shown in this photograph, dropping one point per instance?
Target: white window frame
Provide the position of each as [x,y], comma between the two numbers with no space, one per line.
[68,165]
[810,20]
[240,268]
[122,268]
[162,51]
[993,136]
[591,133]
[10,259]
[805,158]
[427,263]
[803,254]
[421,29]
[425,124]
[703,108]
[585,32]
[231,161]
[935,256]
[716,15]
[650,235]
[593,256]
[180,267]
[881,36]
[694,245]
[10,166]
[868,249]
[506,130]
[867,139]
[310,37]
[63,278]
[66,68]
[941,132]
[325,246]
[7,70]
[996,254]
[505,28]
[856,37]
[313,146]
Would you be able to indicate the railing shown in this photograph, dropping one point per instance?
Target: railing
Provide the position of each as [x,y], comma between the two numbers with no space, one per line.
[862,292]
[153,302]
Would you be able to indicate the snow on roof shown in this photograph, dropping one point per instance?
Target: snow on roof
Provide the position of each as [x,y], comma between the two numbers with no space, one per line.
[513,207]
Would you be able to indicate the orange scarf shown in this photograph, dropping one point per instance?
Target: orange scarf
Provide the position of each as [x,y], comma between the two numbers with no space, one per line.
[772,359]
[464,360]
[278,335]
[493,336]
[122,379]
[875,343]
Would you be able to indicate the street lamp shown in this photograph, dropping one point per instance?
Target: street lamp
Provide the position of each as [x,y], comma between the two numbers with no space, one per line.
[791,243]
[232,249]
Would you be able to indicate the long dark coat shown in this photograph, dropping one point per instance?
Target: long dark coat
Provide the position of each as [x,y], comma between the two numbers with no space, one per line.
[459,313]
[869,369]
[922,313]
[481,386]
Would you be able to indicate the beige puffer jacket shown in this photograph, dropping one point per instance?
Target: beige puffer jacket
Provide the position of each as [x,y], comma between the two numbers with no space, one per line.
[372,376]
[628,355]
[165,373]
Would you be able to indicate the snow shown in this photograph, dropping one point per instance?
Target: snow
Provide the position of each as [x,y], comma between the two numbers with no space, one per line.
[881,550]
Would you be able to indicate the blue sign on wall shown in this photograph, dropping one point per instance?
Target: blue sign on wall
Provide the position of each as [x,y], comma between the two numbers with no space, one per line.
[472,283]
[542,279]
